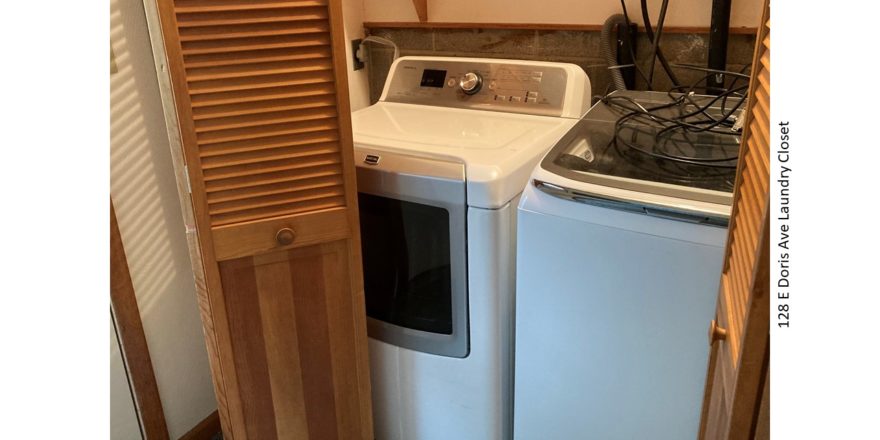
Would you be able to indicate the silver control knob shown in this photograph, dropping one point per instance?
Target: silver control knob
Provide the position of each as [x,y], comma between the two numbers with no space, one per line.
[470,83]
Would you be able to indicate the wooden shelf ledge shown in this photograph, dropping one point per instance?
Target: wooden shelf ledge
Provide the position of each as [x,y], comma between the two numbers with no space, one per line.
[538,26]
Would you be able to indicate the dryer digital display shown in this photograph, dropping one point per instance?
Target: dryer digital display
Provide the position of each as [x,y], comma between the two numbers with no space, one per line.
[433,78]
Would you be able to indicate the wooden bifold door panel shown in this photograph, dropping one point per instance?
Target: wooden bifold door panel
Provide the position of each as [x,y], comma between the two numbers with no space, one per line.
[260,97]
[739,335]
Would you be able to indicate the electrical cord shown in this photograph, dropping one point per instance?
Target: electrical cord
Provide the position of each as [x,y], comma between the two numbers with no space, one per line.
[670,127]
[380,40]
[656,42]
[689,91]
[649,31]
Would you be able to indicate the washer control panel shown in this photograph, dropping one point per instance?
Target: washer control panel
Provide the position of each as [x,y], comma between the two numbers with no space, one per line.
[531,87]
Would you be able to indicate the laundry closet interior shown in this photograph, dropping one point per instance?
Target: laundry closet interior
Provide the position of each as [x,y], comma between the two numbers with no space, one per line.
[439,219]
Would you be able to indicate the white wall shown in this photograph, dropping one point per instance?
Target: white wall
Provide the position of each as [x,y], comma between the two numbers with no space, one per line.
[745,13]
[144,192]
[358,82]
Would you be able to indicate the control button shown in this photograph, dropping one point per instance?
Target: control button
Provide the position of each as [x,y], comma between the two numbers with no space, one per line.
[450,82]
[500,97]
[492,85]
[532,94]
[516,99]
[531,99]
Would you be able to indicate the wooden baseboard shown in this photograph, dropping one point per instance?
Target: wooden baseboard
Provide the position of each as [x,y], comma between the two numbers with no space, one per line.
[205,430]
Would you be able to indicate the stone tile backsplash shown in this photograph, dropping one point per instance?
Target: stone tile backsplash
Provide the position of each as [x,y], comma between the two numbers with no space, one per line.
[578,47]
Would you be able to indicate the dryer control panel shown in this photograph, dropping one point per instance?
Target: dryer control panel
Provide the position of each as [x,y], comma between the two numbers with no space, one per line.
[531,87]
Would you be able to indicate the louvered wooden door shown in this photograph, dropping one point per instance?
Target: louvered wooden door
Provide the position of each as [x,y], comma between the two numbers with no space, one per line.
[739,335]
[261,98]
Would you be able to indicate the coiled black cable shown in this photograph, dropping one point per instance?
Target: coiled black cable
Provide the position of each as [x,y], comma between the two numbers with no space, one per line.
[677,129]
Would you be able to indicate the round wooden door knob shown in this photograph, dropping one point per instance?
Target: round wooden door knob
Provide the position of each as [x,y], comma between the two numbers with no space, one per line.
[716,333]
[284,236]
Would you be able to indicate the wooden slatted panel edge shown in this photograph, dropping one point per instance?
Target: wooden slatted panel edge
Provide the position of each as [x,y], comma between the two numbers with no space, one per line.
[177,109]
[747,214]
[744,291]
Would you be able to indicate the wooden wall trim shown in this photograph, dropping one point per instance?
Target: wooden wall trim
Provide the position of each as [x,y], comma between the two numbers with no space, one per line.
[421,9]
[206,429]
[538,26]
[133,342]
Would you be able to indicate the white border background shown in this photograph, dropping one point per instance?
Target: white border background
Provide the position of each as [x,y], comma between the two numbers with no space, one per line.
[825,376]
[54,222]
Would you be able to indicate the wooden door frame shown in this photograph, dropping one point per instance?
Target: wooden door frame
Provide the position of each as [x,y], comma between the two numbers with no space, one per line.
[132,341]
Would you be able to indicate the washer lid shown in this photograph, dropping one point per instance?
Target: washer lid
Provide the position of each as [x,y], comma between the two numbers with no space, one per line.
[588,153]
[499,150]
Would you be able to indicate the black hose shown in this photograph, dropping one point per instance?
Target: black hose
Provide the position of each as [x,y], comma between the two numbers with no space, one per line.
[632,53]
[608,49]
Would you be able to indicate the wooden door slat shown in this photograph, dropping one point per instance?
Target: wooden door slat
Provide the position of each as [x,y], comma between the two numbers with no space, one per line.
[240,31]
[257,56]
[291,175]
[243,134]
[184,7]
[300,194]
[319,85]
[259,82]
[271,166]
[268,118]
[764,79]
[761,118]
[260,156]
[224,18]
[762,177]
[259,69]
[250,44]
[275,188]
[316,204]
[251,108]
[267,143]
[746,212]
